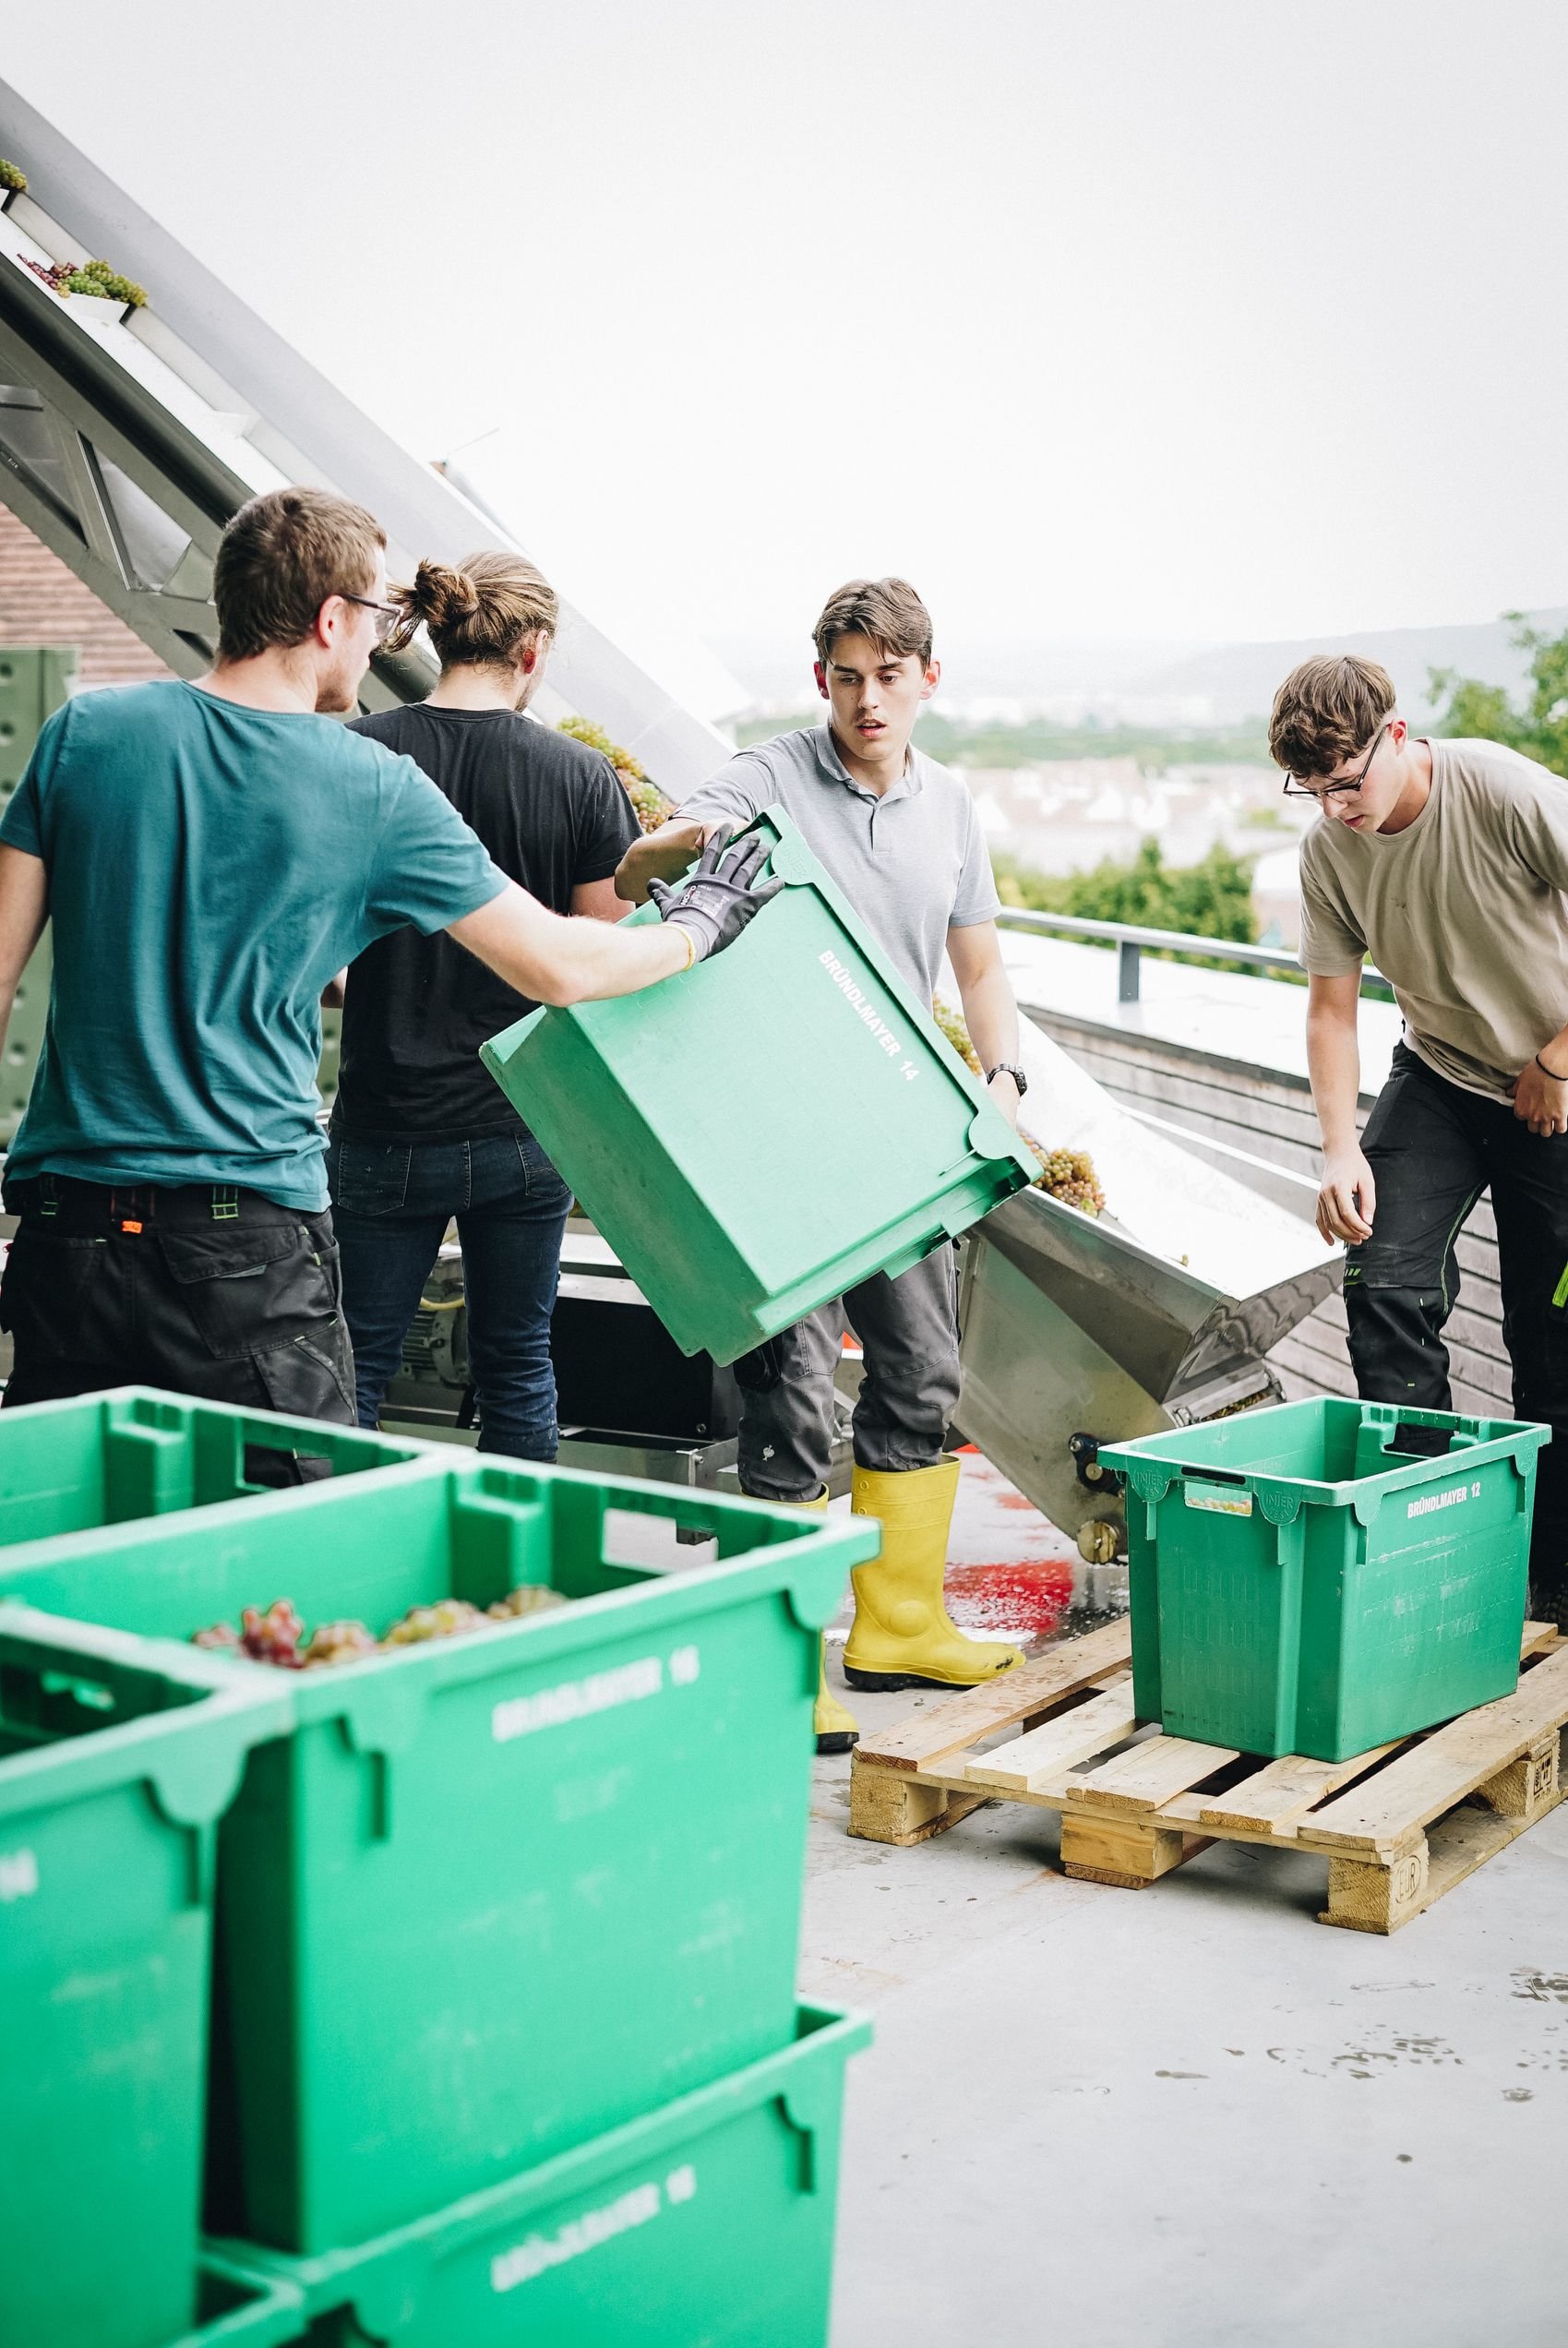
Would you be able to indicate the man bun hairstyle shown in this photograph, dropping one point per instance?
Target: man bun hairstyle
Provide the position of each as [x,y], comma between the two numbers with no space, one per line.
[478,614]
[1326,710]
[278,561]
[887,611]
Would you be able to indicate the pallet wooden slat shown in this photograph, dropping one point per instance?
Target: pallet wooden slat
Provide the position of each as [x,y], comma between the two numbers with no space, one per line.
[1031,1761]
[1281,1792]
[1030,1687]
[1437,1774]
[1147,1774]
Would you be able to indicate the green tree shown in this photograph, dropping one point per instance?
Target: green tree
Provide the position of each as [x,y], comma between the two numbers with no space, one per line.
[1213,899]
[1466,707]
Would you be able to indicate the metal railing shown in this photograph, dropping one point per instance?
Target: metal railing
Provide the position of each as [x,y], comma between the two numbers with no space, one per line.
[1132,943]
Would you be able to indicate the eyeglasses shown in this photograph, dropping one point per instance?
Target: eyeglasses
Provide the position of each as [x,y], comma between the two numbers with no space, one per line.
[1295,790]
[386,615]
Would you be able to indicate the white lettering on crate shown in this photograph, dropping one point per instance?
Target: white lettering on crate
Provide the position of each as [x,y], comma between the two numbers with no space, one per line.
[863,1010]
[1425,1502]
[551,1708]
[18,1875]
[542,2251]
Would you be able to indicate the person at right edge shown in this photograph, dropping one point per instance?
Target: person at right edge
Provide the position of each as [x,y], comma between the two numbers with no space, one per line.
[1447,861]
[901,836]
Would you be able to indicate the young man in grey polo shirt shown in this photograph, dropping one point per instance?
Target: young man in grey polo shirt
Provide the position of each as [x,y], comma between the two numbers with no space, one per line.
[901,836]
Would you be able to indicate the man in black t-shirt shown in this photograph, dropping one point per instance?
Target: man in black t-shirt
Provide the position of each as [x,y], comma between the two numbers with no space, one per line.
[420,1131]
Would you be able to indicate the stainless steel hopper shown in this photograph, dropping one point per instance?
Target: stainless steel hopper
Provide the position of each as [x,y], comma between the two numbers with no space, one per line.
[1077,1332]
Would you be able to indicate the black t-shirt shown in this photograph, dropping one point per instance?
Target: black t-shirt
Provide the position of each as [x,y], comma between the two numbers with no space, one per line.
[553,814]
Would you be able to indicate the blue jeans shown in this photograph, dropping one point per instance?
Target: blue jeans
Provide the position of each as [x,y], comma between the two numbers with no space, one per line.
[391,1209]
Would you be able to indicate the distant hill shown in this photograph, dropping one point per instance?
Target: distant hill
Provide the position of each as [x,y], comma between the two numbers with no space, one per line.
[1239,681]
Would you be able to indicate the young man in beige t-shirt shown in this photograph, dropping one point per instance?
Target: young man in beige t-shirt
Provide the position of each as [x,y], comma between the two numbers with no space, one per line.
[1448,863]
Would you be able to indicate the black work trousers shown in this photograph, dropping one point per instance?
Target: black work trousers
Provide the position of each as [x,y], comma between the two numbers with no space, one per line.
[1433,1148]
[217,1293]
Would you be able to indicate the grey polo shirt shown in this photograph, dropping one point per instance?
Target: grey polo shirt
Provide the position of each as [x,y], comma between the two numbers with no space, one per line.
[912,863]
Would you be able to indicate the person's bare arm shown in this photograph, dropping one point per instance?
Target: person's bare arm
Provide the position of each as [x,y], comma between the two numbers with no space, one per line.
[24,909]
[332,992]
[559,960]
[598,901]
[1347,1197]
[990,1008]
[663,855]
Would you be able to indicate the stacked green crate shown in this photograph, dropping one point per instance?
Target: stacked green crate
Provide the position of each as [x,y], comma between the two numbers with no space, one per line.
[34,680]
[495,1895]
[117,1757]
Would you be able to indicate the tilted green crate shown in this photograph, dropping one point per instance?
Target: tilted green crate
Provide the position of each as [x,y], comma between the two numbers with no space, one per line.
[710,2220]
[496,1894]
[760,1134]
[1299,1583]
[117,1757]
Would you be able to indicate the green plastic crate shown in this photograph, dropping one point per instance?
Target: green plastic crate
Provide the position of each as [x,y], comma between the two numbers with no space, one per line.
[495,1893]
[707,2224]
[116,1757]
[1301,1584]
[759,1134]
[75,1467]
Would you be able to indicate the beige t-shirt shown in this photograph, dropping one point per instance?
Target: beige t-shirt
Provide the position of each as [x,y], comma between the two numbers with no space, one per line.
[1464,912]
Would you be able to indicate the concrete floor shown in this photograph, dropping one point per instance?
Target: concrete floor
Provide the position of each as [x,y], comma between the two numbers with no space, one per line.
[1189,2117]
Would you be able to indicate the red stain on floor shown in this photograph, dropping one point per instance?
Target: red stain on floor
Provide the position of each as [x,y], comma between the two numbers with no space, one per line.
[1026,1597]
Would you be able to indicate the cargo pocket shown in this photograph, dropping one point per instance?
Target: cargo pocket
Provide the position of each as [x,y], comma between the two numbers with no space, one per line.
[311,1377]
[46,1288]
[246,1290]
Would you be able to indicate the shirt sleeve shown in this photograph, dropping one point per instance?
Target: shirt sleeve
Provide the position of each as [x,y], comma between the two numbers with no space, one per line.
[429,868]
[740,790]
[1540,831]
[1332,947]
[24,824]
[609,826]
[976,899]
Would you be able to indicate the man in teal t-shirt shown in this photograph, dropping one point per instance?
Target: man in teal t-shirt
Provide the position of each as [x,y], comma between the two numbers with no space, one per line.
[211,855]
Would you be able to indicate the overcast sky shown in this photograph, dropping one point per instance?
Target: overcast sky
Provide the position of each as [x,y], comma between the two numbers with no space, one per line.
[1156,318]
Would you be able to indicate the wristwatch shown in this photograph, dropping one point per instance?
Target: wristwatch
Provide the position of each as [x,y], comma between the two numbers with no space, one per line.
[1006,1067]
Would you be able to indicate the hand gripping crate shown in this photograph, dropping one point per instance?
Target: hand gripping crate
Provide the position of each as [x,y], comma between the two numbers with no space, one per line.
[760,1134]
[710,2219]
[494,1894]
[117,1757]
[1326,1577]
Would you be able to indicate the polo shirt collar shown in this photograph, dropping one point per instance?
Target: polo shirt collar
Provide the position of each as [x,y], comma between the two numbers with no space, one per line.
[833,770]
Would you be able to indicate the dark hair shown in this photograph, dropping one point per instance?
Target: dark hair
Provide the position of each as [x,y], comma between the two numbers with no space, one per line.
[279,560]
[480,613]
[1327,710]
[887,610]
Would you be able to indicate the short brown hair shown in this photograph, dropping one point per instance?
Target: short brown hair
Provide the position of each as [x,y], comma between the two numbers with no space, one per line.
[1327,710]
[887,610]
[480,613]
[279,560]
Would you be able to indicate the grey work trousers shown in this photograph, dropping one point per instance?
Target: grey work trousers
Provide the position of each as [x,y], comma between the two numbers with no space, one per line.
[908,1332]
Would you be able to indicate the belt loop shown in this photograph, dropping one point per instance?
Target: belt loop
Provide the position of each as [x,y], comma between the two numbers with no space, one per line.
[49,1195]
[225,1205]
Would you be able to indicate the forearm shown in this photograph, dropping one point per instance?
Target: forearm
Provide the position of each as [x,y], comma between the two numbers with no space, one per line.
[1333,1065]
[663,855]
[990,1014]
[559,960]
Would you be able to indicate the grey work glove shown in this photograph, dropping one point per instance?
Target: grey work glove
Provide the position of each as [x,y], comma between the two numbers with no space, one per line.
[716,899]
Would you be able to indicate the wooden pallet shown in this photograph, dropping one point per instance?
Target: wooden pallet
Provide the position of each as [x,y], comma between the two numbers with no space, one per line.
[1399,1826]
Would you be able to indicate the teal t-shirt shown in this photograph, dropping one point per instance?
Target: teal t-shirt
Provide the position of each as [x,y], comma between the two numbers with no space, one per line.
[211,868]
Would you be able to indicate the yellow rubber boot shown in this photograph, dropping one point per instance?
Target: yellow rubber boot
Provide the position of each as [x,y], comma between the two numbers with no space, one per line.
[836,1728]
[901,1635]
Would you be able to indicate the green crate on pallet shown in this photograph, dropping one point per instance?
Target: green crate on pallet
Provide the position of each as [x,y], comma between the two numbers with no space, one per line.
[117,1757]
[709,2220]
[1327,1575]
[497,1893]
[761,1133]
[75,1467]
[34,680]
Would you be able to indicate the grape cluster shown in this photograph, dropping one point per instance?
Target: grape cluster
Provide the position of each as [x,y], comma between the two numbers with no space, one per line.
[276,1635]
[952,1027]
[1068,1175]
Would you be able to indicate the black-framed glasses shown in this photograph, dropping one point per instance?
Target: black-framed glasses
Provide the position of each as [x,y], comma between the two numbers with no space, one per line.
[386,615]
[1295,790]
